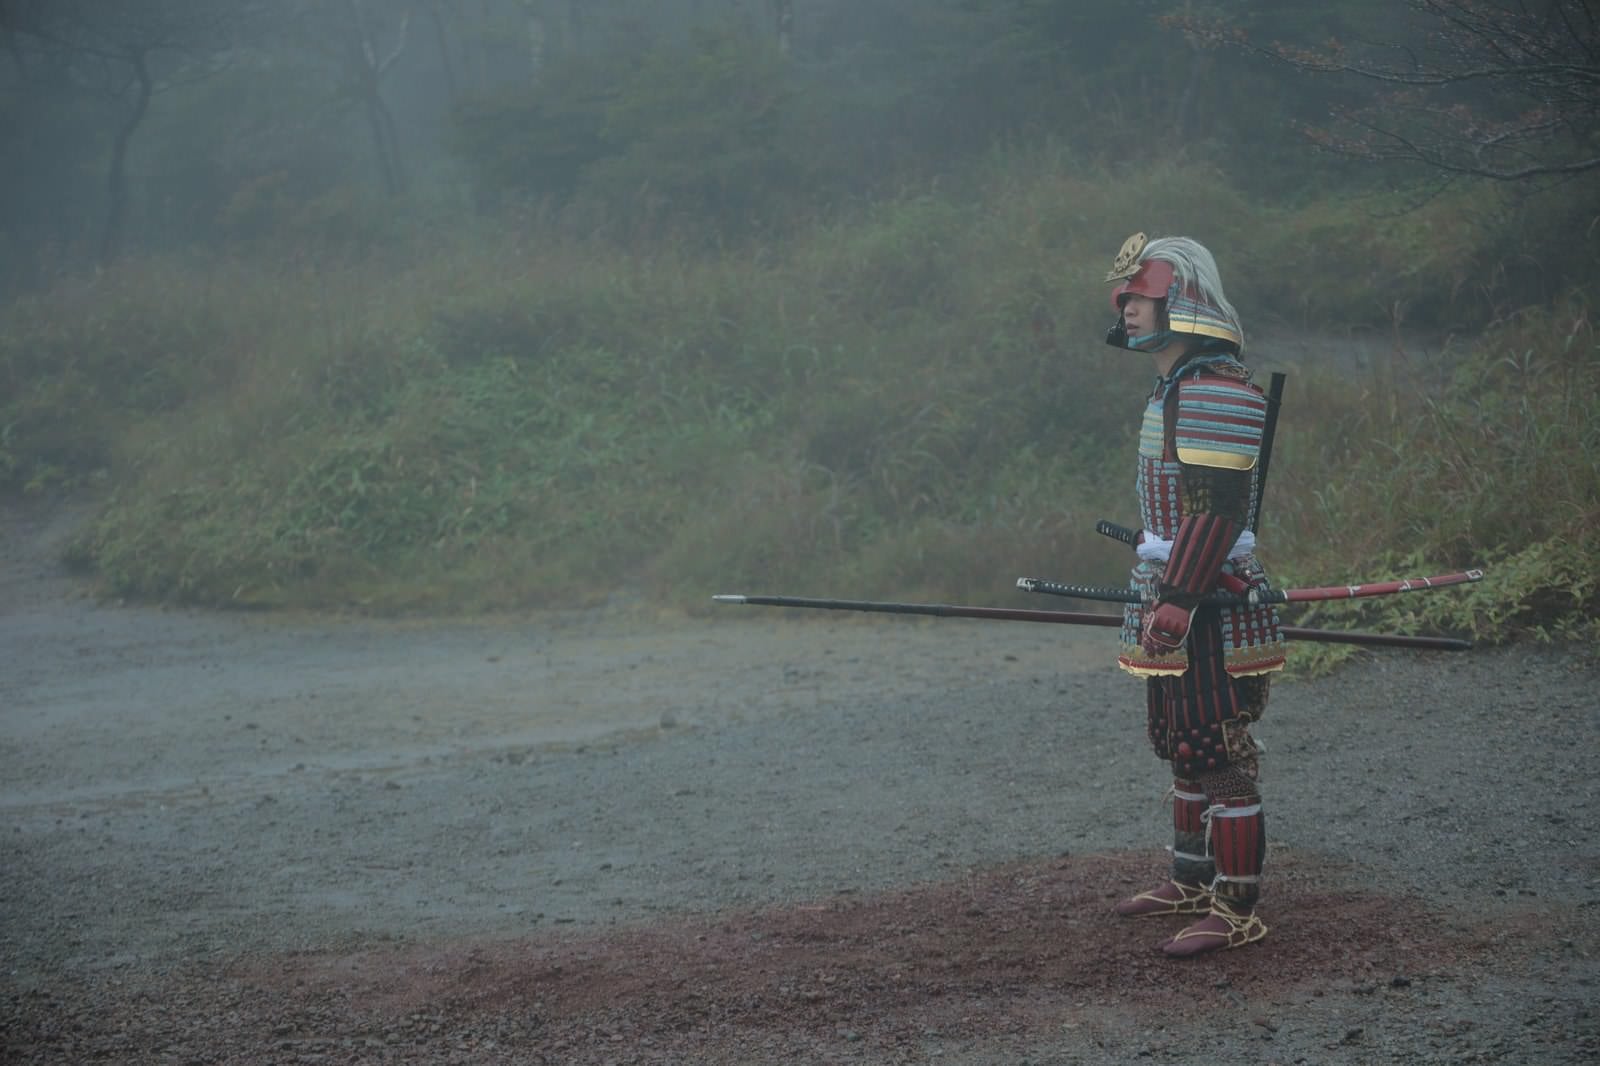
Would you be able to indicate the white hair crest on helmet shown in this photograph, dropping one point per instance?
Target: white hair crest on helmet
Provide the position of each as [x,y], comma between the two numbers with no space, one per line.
[1195,303]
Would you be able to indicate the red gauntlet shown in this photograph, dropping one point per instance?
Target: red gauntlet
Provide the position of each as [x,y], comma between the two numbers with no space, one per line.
[1199,548]
[1166,625]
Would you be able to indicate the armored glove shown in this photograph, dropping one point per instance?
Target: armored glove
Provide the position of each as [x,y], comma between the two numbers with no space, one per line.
[1166,626]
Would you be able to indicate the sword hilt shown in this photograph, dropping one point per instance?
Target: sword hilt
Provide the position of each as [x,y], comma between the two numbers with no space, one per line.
[1127,536]
[1082,592]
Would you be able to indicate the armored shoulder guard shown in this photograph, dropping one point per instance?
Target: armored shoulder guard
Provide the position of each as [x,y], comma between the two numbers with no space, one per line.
[1220,420]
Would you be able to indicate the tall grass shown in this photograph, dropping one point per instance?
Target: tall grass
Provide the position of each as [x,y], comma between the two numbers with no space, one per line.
[1488,457]
[913,401]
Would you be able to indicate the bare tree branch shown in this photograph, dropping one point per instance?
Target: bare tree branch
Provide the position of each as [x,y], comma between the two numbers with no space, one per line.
[1478,87]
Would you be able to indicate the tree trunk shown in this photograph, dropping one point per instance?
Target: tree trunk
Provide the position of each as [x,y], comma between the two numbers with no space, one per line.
[1185,122]
[536,45]
[575,27]
[391,136]
[383,149]
[783,15]
[111,240]
[451,87]
[369,66]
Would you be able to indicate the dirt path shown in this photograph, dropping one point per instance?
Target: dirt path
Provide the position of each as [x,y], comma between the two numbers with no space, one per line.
[598,838]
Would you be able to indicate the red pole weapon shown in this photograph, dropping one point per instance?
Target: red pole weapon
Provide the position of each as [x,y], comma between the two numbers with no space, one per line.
[1329,592]
[1074,618]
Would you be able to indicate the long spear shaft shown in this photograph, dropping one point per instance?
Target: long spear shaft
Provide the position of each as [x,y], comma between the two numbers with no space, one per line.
[1075,618]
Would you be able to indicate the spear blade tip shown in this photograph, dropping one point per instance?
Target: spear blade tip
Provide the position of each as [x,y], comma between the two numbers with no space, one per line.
[728,599]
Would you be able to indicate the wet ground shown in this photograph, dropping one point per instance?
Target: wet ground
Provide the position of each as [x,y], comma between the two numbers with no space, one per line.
[618,837]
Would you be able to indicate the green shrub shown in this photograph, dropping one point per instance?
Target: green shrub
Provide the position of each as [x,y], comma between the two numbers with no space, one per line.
[916,402]
[1491,460]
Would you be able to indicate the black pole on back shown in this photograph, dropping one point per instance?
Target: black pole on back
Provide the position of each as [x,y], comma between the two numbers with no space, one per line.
[1268,432]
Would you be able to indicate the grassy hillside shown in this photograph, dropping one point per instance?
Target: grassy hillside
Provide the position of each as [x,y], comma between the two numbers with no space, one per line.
[912,402]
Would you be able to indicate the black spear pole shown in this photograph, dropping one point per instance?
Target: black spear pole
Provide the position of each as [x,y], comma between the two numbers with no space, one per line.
[1078,618]
[938,610]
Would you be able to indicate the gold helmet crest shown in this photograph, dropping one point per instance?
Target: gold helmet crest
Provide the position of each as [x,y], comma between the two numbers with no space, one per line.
[1126,264]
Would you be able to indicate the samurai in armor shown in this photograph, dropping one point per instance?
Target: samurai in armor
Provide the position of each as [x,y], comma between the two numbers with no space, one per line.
[1205,667]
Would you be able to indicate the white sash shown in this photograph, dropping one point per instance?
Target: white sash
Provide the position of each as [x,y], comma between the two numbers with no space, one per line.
[1152,549]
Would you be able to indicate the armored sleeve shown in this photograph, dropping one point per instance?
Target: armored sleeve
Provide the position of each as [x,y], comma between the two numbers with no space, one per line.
[1216,435]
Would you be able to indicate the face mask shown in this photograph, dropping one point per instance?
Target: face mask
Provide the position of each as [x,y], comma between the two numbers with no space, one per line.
[1151,342]
[1117,337]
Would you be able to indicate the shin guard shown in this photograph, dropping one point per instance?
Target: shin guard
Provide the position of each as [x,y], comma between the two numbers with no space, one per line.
[1191,864]
[1236,829]
[1189,890]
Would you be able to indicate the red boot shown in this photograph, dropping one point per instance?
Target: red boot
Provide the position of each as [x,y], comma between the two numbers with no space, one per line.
[1237,831]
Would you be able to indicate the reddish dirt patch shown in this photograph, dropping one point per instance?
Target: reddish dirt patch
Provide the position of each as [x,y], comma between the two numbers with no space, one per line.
[1007,953]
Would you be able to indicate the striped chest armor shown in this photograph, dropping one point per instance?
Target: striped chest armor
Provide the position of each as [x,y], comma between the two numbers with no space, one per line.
[1207,463]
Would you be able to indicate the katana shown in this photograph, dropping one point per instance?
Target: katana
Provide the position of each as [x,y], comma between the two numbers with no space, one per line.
[1075,618]
[1256,597]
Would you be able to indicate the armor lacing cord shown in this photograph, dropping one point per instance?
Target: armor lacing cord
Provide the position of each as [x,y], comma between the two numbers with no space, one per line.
[1242,879]
[1241,929]
[1174,793]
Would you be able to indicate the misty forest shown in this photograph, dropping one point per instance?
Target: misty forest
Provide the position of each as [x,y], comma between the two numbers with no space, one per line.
[478,305]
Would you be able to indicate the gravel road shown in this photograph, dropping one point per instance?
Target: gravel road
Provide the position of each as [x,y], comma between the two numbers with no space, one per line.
[751,838]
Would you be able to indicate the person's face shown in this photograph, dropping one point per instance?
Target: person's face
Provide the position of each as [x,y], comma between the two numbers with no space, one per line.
[1141,315]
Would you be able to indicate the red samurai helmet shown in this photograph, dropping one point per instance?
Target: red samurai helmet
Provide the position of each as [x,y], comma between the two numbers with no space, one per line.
[1183,274]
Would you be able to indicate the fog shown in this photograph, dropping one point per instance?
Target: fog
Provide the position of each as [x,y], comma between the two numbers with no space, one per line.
[163,125]
[484,303]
